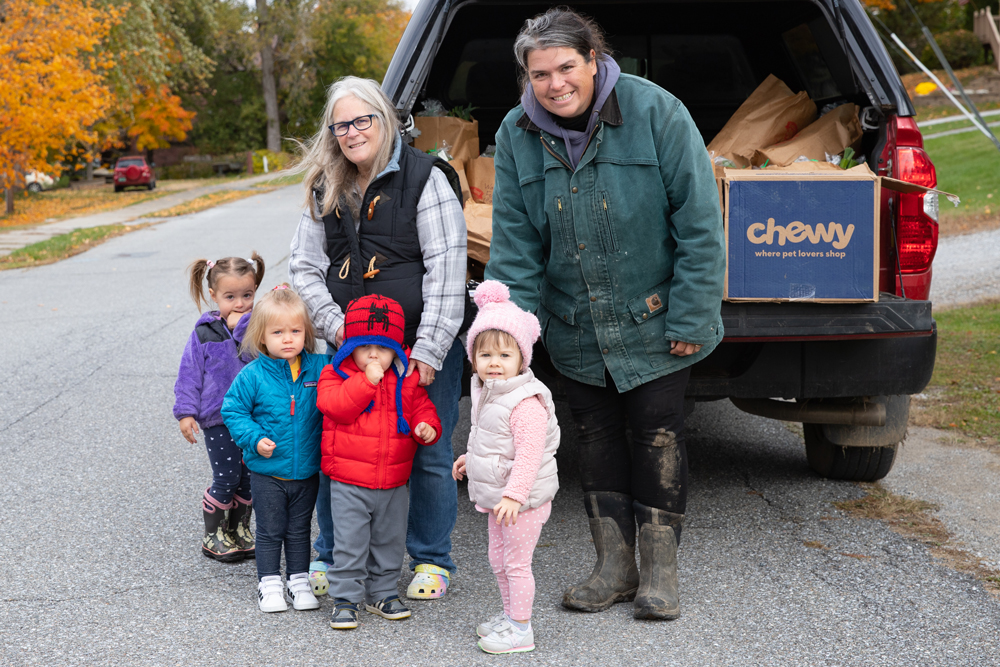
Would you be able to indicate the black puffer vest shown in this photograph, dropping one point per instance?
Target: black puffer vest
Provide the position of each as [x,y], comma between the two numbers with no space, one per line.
[388,233]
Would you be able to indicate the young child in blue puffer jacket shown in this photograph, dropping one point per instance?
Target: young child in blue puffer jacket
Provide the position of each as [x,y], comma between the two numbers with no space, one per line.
[210,363]
[270,410]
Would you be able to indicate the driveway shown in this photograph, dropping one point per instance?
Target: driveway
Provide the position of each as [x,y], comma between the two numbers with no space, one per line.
[100,515]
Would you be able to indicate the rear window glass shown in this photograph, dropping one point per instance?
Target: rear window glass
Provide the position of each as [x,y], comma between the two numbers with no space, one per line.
[131,163]
[486,74]
[809,61]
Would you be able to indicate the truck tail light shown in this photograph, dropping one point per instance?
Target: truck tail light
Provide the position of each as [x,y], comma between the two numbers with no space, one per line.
[917,222]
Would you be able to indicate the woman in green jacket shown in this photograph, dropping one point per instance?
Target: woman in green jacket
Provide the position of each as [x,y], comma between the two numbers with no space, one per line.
[606,223]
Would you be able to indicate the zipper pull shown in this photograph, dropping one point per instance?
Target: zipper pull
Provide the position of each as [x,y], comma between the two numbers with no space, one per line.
[605,202]
[559,201]
[293,406]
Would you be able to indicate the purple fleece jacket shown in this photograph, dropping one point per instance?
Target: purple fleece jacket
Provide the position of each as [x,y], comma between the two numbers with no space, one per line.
[607,76]
[210,363]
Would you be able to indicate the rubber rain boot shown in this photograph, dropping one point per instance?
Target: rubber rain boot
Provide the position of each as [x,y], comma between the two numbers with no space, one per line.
[239,526]
[216,543]
[615,577]
[658,597]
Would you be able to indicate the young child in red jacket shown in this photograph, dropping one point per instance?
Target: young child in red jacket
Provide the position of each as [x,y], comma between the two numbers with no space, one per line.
[368,402]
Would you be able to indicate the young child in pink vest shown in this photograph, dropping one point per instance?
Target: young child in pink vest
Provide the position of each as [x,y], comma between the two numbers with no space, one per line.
[510,459]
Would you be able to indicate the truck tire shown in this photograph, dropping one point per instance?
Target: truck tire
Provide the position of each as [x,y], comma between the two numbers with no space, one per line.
[858,453]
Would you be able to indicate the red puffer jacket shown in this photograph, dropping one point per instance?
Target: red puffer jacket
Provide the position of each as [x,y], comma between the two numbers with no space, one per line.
[362,447]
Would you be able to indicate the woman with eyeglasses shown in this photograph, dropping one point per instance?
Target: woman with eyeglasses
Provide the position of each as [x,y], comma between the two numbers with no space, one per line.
[384,218]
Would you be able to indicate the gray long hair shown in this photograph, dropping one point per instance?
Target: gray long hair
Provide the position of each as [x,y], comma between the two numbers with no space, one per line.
[559,27]
[326,167]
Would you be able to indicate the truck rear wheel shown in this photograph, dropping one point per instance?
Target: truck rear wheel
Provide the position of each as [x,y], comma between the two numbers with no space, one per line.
[858,453]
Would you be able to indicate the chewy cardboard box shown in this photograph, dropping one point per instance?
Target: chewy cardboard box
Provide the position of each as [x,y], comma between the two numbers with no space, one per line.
[802,234]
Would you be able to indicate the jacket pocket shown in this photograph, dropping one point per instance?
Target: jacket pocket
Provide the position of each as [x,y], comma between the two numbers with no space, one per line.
[560,335]
[561,225]
[501,469]
[604,214]
[647,309]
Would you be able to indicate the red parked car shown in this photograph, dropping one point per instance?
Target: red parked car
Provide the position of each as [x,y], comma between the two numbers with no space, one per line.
[133,171]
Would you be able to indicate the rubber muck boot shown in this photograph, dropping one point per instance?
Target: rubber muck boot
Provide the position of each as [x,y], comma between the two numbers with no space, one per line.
[239,526]
[216,542]
[658,597]
[615,577]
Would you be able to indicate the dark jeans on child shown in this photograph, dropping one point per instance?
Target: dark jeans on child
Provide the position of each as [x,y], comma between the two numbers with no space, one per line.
[369,541]
[229,473]
[655,471]
[284,510]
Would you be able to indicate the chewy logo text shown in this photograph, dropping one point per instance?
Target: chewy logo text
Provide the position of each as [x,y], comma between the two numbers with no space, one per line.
[797,232]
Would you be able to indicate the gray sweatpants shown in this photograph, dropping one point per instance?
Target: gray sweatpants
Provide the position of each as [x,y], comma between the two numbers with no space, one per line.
[369,538]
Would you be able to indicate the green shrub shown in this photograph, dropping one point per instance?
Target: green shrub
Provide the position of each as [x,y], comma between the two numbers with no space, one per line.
[275,161]
[961,47]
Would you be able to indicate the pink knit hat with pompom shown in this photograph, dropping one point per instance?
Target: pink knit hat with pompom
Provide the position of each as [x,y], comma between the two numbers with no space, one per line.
[497,311]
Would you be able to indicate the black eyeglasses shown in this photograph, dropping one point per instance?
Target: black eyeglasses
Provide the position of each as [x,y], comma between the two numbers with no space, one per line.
[361,123]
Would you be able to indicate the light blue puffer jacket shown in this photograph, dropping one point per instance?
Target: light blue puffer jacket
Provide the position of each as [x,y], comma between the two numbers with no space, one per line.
[259,404]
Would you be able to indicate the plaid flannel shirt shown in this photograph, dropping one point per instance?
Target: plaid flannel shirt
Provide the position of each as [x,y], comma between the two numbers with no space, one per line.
[443,239]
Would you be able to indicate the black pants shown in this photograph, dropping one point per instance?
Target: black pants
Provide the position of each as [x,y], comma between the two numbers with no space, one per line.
[654,470]
[284,510]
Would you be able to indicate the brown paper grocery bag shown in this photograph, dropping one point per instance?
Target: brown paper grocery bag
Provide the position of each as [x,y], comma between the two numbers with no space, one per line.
[831,134]
[481,174]
[461,136]
[479,222]
[459,166]
[771,114]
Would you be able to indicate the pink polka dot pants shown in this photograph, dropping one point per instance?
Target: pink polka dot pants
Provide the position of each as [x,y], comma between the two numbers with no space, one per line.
[511,549]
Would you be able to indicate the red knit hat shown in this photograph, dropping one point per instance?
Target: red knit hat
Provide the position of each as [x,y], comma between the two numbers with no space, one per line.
[375,315]
[376,320]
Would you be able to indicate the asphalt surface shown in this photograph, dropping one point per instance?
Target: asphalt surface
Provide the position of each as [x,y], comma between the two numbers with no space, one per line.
[100,520]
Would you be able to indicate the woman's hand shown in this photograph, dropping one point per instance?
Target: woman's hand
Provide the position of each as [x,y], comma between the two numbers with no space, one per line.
[426,372]
[425,432]
[507,508]
[266,447]
[189,428]
[683,349]
[458,469]
[338,338]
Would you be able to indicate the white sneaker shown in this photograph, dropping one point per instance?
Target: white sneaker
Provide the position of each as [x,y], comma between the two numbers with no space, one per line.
[505,638]
[269,594]
[301,592]
[486,627]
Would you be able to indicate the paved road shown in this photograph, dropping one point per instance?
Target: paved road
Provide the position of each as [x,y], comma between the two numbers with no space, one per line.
[100,519]
[967,269]
[13,239]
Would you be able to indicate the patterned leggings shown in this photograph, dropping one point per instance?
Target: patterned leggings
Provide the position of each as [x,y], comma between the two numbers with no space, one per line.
[229,474]
[511,549]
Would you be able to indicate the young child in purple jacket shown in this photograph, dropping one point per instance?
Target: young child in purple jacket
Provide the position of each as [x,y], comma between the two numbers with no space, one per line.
[210,363]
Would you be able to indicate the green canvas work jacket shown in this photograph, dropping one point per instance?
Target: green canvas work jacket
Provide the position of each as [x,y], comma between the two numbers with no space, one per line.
[621,256]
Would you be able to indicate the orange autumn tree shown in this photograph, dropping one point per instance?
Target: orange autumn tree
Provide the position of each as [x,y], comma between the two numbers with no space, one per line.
[53,89]
[158,117]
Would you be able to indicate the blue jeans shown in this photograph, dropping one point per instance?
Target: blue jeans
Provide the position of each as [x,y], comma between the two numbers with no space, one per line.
[433,492]
[284,517]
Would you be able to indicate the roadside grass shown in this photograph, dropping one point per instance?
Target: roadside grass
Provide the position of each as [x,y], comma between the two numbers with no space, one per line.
[968,165]
[205,202]
[281,181]
[34,208]
[63,246]
[913,519]
[964,392]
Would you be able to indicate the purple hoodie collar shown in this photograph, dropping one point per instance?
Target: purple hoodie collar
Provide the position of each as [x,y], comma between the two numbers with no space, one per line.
[607,76]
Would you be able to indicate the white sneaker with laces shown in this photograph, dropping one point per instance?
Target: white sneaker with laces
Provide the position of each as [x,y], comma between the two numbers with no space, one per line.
[269,594]
[505,638]
[486,627]
[301,592]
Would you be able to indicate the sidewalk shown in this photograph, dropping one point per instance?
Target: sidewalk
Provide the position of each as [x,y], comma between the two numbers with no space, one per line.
[22,236]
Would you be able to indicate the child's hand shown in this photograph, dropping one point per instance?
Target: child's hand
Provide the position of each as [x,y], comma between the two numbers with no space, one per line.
[425,432]
[266,447]
[508,507]
[458,469]
[189,428]
[233,319]
[374,373]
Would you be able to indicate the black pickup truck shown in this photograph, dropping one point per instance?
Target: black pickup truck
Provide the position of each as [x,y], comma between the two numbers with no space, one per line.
[844,370]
